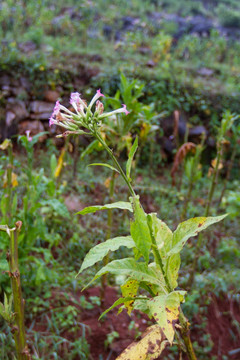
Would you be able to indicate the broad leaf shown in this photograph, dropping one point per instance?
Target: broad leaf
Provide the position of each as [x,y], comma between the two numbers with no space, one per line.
[129,267]
[106,165]
[163,236]
[172,268]
[117,302]
[130,289]
[130,158]
[117,205]
[191,228]
[98,252]
[150,347]
[165,310]
[139,229]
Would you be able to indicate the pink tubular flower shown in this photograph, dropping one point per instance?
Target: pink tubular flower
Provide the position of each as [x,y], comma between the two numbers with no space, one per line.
[99,107]
[56,111]
[75,98]
[28,135]
[99,93]
[95,98]
[125,109]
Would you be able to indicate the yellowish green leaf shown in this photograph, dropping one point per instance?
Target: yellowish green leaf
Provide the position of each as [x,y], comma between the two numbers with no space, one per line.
[165,310]
[130,288]
[139,229]
[150,347]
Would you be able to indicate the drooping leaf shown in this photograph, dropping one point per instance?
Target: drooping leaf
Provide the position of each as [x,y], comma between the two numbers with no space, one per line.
[191,228]
[150,347]
[130,289]
[165,310]
[98,252]
[139,229]
[129,267]
[94,145]
[106,165]
[5,228]
[117,205]
[130,158]
[116,303]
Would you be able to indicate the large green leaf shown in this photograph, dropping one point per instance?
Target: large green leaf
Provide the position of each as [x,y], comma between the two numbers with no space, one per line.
[130,289]
[163,236]
[165,310]
[117,205]
[191,228]
[98,252]
[130,158]
[139,229]
[172,268]
[129,267]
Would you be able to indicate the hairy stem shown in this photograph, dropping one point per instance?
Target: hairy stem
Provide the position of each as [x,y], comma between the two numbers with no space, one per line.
[185,334]
[18,301]
[116,163]
[109,232]
[8,214]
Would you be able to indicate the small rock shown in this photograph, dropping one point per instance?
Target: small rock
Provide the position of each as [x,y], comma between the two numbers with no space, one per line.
[151,63]
[51,95]
[10,116]
[35,128]
[197,131]
[41,107]
[205,72]
[18,108]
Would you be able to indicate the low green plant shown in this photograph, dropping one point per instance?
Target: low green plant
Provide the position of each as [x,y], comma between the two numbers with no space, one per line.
[155,261]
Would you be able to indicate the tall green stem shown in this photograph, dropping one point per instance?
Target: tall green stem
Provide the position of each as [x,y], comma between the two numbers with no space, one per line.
[18,301]
[118,166]
[185,333]
[9,185]
[109,233]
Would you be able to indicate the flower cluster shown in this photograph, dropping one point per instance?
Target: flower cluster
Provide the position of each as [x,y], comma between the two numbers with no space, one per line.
[83,116]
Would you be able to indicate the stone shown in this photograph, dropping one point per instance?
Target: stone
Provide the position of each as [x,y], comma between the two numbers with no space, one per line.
[205,72]
[51,95]
[35,128]
[10,116]
[17,107]
[41,110]
[197,131]
[38,106]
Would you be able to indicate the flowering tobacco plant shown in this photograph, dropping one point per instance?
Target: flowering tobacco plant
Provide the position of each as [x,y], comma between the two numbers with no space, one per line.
[155,261]
[83,116]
